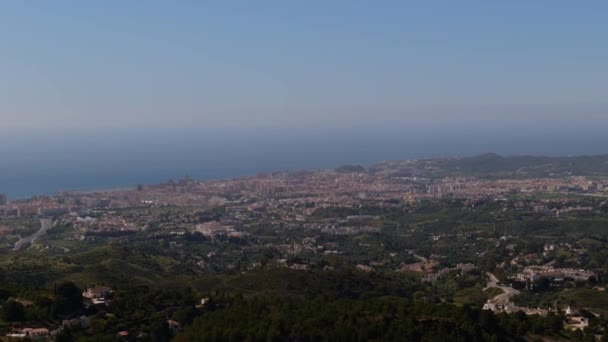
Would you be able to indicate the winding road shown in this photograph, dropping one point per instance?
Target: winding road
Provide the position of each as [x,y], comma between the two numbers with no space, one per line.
[508,291]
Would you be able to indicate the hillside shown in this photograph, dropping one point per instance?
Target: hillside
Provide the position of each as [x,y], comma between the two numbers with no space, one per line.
[495,166]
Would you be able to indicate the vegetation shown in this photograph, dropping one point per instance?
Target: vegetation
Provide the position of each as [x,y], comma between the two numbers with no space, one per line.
[383,270]
[386,318]
[491,165]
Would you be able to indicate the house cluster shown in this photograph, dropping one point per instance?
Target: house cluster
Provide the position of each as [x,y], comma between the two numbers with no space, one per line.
[575,320]
[31,333]
[97,294]
[534,273]
[336,229]
[498,306]
[444,272]
[214,229]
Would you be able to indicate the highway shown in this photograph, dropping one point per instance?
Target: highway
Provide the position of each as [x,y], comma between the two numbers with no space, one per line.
[45,225]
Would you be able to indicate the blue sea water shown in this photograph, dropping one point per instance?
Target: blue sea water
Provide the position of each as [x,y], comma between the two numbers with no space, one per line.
[47,162]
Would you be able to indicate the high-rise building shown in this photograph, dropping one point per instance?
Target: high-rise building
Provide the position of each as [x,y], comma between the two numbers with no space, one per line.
[2,199]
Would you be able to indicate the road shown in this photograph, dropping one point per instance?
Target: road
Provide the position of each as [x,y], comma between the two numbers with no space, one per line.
[45,225]
[508,291]
[506,296]
[492,281]
[421,258]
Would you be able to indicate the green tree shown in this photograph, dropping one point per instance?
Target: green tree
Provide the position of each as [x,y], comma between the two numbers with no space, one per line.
[68,299]
[159,331]
[64,336]
[13,311]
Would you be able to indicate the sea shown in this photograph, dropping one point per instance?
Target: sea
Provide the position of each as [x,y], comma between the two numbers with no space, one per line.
[45,162]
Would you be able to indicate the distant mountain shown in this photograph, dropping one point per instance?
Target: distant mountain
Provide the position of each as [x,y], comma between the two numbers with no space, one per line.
[492,165]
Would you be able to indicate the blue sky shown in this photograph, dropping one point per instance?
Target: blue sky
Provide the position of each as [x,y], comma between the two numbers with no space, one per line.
[117,64]
[105,93]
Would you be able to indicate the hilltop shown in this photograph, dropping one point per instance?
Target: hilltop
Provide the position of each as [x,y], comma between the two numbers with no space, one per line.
[492,166]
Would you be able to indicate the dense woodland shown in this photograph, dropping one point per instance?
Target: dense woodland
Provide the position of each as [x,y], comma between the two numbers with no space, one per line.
[341,306]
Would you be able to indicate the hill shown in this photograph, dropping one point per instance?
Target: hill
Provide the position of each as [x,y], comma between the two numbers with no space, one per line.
[492,165]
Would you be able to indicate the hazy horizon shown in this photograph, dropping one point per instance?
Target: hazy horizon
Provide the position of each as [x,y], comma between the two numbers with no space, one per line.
[47,162]
[115,93]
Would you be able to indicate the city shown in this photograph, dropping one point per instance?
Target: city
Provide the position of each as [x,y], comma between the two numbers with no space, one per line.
[515,244]
[303,171]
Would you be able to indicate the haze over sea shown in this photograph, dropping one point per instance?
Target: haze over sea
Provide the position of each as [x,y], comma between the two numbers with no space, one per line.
[45,162]
[114,93]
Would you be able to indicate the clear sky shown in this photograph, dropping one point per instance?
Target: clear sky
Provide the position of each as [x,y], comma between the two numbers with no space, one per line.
[108,64]
[114,92]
